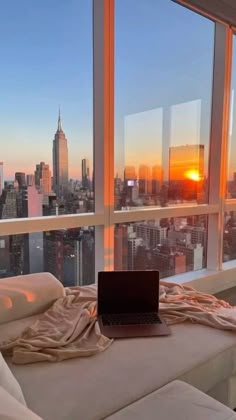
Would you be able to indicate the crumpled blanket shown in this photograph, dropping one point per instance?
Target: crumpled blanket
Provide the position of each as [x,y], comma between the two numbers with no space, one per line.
[66,330]
[69,328]
[179,303]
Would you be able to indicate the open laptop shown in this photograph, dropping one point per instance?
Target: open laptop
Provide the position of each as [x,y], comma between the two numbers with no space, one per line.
[128,304]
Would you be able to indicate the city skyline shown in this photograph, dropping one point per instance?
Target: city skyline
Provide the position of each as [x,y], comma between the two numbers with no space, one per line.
[59,133]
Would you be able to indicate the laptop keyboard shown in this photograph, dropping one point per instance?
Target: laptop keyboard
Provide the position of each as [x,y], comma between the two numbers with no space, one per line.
[131,319]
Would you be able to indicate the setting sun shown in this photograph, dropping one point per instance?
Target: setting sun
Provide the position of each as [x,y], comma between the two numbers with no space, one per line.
[193,175]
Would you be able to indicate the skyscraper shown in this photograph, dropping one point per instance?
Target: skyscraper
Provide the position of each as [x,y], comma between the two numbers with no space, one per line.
[130,174]
[121,247]
[130,192]
[60,161]
[85,173]
[69,255]
[20,178]
[145,185]
[1,178]
[157,178]
[43,178]
[30,180]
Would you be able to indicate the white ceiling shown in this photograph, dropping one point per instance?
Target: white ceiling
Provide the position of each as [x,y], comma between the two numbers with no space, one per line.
[223,9]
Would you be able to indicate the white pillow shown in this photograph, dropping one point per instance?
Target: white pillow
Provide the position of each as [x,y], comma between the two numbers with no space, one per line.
[11,409]
[27,295]
[9,382]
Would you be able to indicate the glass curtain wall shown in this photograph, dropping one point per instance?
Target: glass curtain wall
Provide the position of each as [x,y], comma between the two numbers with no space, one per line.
[160,199]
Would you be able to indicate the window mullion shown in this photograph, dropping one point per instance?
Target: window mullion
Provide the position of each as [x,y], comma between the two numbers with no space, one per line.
[219,141]
[103,44]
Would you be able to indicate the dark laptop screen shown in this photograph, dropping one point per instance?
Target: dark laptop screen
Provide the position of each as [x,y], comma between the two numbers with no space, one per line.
[128,291]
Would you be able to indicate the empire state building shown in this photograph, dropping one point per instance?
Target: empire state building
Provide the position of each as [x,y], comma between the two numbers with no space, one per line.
[60,161]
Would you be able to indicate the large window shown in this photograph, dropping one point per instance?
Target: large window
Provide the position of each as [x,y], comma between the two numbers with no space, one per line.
[114,118]
[163,90]
[46,106]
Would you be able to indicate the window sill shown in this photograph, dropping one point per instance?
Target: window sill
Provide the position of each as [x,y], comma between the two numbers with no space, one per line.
[208,281]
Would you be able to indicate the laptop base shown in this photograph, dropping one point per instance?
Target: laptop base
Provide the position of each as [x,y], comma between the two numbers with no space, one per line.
[128,331]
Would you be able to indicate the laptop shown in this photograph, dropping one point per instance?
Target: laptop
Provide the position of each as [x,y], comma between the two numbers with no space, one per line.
[128,304]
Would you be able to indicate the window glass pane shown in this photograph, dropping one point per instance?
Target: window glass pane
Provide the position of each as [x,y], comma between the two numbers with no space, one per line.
[163,87]
[229,238]
[172,246]
[66,253]
[231,176]
[46,103]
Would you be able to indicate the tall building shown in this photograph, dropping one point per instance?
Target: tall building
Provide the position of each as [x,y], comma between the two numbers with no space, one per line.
[133,244]
[129,174]
[8,203]
[186,172]
[30,180]
[157,178]
[60,161]
[85,174]
[145,184]
[118,189]
[20,178]
[5,257]
[84,257]
[121,247]
[43,178]
[130,191]
[69,255]
[152,234]
[1,178]
[34,201]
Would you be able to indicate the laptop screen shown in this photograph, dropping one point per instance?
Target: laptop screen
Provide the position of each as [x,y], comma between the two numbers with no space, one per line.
[128,291]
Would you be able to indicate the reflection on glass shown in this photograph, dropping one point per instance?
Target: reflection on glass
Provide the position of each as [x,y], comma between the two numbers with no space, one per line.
[46,86]
[172,246]
[66,253]
[186,173]
[163,105]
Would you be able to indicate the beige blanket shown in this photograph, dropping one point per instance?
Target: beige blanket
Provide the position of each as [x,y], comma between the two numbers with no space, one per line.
[179,303]
[69,328]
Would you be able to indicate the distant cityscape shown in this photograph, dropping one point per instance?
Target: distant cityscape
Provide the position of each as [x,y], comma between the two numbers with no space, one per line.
[173,245]
[66,253]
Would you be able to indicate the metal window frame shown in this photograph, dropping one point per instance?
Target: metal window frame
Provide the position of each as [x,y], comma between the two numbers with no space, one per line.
[103,45]
[104,217]
[218,153]
[230,203]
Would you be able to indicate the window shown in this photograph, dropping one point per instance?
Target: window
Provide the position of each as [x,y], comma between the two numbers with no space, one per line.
[170,245]
[46,100]
[66,253]
[157,201]
[163,88]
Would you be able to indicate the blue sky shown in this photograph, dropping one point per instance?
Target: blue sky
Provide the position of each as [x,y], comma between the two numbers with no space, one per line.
[46,60]
[163,57]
